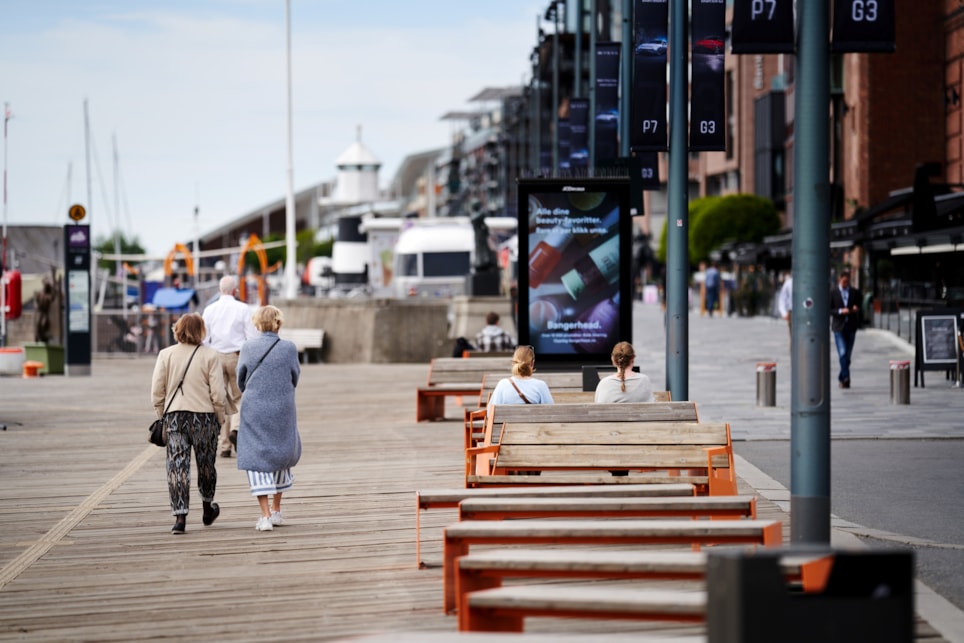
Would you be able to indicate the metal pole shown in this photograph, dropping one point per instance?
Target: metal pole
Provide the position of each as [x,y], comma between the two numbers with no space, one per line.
[291,246]
[810,335]
[555,88]
[577,69]
[3,242]
[592,87]
[627,78]
[677,248]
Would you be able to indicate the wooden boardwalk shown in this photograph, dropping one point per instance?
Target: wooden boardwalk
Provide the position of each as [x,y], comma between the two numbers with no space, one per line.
[86,551]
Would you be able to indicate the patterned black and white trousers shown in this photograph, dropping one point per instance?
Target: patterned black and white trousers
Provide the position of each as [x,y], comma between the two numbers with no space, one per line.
[187,429]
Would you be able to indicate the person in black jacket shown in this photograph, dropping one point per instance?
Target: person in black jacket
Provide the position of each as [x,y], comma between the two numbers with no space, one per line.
[845,319]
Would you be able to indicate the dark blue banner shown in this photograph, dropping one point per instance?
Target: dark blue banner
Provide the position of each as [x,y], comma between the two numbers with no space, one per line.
[863,26]
[565,143]
[762,27]
[607,102]
[648,124]
[707,100]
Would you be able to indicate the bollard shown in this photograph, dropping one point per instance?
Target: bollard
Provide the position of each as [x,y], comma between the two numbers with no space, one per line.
[32,368]
[899,382]
[766,384]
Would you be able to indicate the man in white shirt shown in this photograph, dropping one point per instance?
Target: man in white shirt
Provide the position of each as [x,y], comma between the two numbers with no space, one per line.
[229,325]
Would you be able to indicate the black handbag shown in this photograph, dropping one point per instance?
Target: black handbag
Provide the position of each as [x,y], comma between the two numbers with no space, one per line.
[157,430]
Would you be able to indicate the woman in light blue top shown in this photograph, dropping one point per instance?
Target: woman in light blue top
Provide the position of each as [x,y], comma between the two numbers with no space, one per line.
[521,388]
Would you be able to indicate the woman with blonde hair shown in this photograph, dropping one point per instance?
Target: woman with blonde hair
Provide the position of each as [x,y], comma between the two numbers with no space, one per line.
[625,385]
[521,388]
[269,444]
[187,377]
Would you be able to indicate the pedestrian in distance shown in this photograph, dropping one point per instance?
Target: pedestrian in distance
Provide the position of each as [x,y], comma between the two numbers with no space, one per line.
[269,444]
[521,387]
[844,322]
[712,283]
[229,327]
[492,337]
[625,385]
[193,419]
[785,302]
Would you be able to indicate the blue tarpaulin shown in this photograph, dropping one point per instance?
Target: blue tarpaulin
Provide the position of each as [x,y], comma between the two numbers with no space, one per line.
[174,299]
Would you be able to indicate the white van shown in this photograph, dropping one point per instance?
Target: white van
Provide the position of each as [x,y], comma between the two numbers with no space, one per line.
[433,257]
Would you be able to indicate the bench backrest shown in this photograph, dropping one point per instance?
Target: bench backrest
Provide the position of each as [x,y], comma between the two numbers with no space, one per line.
[303,337]
[610,445]
[457,370]
[557,383]
[589,411]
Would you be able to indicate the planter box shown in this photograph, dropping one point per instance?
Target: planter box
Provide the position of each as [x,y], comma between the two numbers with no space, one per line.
[52,356]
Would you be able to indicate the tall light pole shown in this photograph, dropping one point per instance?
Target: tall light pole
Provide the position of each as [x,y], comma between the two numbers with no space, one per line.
[7,115]
[291,246]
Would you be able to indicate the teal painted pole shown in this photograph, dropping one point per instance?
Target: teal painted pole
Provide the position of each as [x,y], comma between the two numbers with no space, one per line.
[810,333]
[626,69]
[677,247]
[592,87]
[577,75]
[555,90]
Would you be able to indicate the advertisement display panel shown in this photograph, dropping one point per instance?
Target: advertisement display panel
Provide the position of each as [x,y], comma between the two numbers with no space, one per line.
[607,102]
[575,298]
[578,134]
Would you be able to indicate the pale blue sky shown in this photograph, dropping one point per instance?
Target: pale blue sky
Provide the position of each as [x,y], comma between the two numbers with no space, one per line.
[194,93]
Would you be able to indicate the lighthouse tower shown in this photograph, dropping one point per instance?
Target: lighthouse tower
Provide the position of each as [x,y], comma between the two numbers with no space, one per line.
[357,178]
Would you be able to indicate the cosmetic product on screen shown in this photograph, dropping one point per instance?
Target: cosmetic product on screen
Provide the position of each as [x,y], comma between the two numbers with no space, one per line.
[597,269]
[546,255]
[603,318]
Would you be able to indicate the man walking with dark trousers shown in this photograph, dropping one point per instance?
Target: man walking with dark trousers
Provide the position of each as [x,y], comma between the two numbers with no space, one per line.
[845,319]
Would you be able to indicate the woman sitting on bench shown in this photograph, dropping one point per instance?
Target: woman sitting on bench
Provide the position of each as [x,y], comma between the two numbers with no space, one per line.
[521,387]
[625,385]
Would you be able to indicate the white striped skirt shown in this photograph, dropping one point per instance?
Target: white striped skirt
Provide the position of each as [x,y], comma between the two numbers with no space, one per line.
[269,484]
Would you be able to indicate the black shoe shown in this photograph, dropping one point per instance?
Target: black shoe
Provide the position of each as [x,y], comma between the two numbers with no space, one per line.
[233,437]
[846,383]
[211,512]
[226,453]
[179,524]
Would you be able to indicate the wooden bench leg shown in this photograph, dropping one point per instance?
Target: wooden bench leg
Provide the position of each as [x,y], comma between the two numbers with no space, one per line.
[466,581]
[418,534]
[451,550]
[484,620]
[429,407]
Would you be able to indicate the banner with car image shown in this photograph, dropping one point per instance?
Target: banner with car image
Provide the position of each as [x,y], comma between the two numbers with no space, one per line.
[648,125]
[707,95]
[607,102]
[575,299]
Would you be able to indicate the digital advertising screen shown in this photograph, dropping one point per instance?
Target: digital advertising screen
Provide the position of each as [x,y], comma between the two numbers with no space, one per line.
[575,297]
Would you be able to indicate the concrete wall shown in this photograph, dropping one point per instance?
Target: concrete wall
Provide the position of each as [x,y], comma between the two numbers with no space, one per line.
[378,331]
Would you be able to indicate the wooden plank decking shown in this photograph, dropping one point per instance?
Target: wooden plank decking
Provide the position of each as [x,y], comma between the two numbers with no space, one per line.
[85,546]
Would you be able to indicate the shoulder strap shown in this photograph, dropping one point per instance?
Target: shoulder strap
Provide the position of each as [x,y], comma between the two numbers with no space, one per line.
[261,360]
[524,399]
[181,383]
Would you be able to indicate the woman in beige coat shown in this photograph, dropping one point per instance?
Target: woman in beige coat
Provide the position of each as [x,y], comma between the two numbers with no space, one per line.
[194,417]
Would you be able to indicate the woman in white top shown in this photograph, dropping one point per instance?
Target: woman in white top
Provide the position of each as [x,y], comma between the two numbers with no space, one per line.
[625,385]
[521,388]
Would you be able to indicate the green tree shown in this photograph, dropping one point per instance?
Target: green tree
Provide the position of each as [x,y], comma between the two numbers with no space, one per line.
[741,218]
[695,210]
[105,246]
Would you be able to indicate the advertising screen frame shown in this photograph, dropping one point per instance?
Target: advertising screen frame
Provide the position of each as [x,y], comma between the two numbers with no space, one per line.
[575,292]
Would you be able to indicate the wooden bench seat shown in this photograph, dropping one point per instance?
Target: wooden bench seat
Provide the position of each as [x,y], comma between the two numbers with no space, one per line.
[576,452]
[304,339]
[457,538]
[450,498]
[504,609]
[502,508]
[487,569]
[454,377]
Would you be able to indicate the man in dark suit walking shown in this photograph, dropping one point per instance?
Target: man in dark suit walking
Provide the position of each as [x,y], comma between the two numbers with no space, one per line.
[845,319]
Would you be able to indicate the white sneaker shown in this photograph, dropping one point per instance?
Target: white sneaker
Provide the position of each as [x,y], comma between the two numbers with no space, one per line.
[277,519]
[264,524]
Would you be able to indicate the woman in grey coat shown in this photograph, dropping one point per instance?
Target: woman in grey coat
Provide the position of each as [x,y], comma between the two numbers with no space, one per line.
[268,440]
